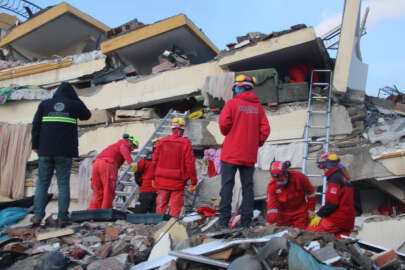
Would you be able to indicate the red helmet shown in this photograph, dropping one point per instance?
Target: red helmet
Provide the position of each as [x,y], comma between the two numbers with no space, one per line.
[278,169]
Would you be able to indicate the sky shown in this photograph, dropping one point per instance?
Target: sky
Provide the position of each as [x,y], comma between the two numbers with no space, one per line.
[222,21]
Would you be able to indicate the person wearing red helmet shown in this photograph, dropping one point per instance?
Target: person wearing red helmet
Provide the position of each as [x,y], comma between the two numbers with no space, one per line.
[337,215]
[290,197]
[173,161]
[244,124]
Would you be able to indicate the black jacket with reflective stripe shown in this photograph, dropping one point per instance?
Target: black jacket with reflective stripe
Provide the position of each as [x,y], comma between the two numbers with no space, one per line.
[54,128]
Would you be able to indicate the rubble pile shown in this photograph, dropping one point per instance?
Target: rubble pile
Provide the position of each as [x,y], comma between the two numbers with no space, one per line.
[180,244]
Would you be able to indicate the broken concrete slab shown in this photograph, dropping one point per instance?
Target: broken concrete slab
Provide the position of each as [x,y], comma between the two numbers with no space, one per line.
[161,248]
[176,231]
[106,264]
[390,232]
[350,71]
[278,52]
[31,38]
[97,117]
[142,47]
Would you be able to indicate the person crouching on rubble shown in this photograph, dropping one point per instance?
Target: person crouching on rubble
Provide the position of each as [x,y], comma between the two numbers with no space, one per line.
[290,197]
[244,124]
[174,164]
[144,176]
[337,215]
[105,171]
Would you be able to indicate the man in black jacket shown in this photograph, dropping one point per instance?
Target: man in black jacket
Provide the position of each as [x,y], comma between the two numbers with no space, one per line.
[54,138]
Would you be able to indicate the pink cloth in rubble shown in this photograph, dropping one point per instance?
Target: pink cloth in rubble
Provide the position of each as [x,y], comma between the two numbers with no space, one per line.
[214,155]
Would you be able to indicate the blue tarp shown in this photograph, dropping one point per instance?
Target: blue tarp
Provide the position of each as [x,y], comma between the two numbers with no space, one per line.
[299,259]
[11,215]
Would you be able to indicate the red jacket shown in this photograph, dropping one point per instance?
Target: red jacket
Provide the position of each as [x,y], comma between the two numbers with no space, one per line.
[297,197]
[301,73]
[146,168]
[339,201]
[117,153]
[173,160]
[245,125]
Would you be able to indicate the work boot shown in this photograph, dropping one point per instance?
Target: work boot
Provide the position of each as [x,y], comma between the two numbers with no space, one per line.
[220,225]
[36,222]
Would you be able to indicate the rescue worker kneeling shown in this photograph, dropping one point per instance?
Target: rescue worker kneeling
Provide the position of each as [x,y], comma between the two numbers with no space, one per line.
[105,171]
[290,197]
[174,164]
[144,178]
[337,215]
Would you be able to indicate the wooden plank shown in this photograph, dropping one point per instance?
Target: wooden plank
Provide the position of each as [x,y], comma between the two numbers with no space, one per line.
[97,117]
[54,234]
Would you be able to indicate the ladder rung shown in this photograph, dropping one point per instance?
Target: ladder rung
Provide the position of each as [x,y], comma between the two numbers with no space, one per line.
[314,175]
[320,127]
[128,183]
[165,126]
[310,158]
[319,97]
[321,70]
[122,193]
[148,148]
[164,133]
[316,142]
[320,83]
[118,204]
[319,112]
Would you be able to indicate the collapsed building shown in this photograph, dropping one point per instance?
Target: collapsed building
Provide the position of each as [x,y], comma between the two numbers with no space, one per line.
[133,75]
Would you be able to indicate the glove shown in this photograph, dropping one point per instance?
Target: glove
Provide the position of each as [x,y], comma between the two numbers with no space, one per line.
[315,221]
[311,215]
[134,167]
[153,184]
[192,188]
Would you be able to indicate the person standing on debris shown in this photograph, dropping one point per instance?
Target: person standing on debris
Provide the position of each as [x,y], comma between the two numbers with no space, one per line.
[55,140]
[144,176]
[244,124]
[290,197]
[337,215]
[174,164]
[105,171]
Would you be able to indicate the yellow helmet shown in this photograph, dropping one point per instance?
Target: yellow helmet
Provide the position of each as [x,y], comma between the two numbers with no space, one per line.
[244,80]
[333,157]
[178,123]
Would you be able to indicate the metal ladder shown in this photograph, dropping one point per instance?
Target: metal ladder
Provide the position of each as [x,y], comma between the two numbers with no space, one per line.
[127,189]
[309,126]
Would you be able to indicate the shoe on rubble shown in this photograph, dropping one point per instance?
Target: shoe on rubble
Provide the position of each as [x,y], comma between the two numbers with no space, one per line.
[36,222]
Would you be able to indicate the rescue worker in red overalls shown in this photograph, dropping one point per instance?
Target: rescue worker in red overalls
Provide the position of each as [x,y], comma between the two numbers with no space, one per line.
[174,164]
[302,73]
[105,171]
[144,178]
[337,215]
[290,197]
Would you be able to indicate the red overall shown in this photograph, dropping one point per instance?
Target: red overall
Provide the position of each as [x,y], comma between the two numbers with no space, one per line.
[338,212]
[288,206]
[105,173]
[174,164]
[301,73]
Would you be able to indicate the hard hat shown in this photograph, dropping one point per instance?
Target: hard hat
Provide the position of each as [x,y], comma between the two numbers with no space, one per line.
[279,168]
[133,140]
[243,80]
[178,123]
[327,157]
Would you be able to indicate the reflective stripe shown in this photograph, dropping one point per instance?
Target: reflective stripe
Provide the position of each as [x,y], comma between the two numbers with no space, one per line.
[59,119]
[312,195]
[272,211]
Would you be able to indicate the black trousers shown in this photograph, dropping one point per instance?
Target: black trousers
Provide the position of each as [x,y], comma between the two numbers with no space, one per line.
[146,203]
[228,172]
